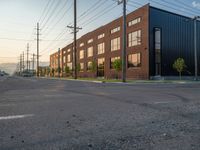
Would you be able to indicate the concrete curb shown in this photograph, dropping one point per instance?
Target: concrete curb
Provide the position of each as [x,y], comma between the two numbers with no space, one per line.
[63,79]
[126,83]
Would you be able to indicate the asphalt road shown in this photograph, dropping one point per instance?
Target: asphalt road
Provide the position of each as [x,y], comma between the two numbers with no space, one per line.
[42,114]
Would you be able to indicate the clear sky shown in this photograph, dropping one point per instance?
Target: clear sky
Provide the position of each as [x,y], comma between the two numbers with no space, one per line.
[19,19]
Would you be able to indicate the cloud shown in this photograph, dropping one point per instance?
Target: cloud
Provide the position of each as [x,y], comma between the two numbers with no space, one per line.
[196,4]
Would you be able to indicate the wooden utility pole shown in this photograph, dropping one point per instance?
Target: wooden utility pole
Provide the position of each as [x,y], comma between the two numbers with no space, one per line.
[33,63]
[27,62]
[23,61]
[59,63]
[38,49]
[75,30]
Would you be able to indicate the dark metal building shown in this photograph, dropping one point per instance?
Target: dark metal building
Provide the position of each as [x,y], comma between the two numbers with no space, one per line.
[176,40]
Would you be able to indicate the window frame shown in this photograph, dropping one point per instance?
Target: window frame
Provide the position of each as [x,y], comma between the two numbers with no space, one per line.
[139,63]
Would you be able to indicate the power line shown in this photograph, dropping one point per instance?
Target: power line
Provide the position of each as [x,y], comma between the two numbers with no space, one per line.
[44,10]
[94,7]
[13,39]
[51,14]
[51,5]
[54,25]
[96,16]
[59,35]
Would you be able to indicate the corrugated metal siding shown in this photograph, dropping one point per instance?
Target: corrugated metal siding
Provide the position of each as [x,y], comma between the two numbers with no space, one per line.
[177,41]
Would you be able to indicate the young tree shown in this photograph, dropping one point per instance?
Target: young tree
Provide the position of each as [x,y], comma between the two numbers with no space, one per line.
[59,70]
[47,71]
[67,70]
[53,71]
[179,65]
[117,65]
[78,67]
[93,66]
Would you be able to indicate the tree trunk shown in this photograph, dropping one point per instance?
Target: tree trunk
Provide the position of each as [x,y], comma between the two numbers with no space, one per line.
[179,75]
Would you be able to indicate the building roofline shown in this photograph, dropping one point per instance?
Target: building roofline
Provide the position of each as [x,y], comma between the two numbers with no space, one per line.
[173,13]
[145,5]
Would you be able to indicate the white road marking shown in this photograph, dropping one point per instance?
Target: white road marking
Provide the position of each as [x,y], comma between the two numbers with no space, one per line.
[166,102]
[16,117]
[6,105]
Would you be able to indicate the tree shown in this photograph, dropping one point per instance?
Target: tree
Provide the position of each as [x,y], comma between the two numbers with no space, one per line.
[93,66]
[78,67]
[117,65]
[179,65]
[67,70]
[47,71]
[53,71]
[59,70]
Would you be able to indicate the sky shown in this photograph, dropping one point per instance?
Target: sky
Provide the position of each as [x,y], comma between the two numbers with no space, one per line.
[19,19]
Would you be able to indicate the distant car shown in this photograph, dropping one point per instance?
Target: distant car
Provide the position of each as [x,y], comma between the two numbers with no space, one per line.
[1,74]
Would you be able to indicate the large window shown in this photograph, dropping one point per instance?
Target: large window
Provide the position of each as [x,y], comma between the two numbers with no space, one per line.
[157,32]
[81,67]
[115,44]
[101,36]
[89,66]
[69,65]
[81,54]
[82,44]
[135,21]
[134,38]
[90,41]
[112,60]
[134,60]
[69,58]
[64,59]
[100,67]
[90,52]
[115,30]
[101,48]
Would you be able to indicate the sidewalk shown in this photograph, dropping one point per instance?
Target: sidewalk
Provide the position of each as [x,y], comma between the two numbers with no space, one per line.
[113,81]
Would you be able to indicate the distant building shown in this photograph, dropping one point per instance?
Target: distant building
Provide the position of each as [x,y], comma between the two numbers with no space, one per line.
[155,39]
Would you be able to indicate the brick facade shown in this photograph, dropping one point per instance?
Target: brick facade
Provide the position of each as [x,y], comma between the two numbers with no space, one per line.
[141,72]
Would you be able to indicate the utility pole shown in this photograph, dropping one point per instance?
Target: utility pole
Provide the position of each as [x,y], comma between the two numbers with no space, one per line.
[124,40]
[27,62]
[29,65]
[23,61]
[59,62]
[75,30]
[33,63]
[20,64]
[75,48]
[37,50]
[195,47]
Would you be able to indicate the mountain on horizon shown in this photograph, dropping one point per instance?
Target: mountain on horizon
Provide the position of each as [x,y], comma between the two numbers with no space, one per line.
[11,67]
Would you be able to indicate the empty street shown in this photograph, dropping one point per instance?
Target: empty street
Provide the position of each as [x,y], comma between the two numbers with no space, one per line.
[46,114]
